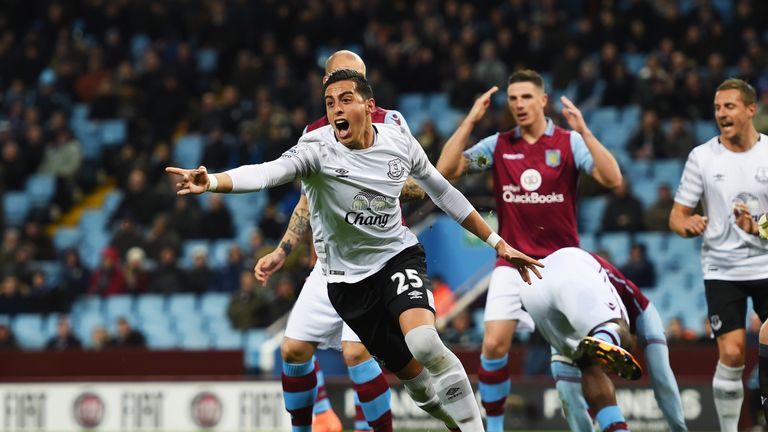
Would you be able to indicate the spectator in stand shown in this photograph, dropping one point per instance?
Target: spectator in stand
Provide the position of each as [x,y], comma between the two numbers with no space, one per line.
[217,220]
[137,276]
[639,269]
[285,297]
[127,336]
[680,139]
[430,140]
[100,339]
[8,340]
[160,235]
[13,167]
[199,277]
[64,339]
[42,296]
[247,307]
[463,89]
[649,141]
[228,278]
[168,278]
[40,243]
[14,296]
[461,332]
[761,116]
[272,223]
[138,200]
[565,69]
[619,86]
[623,211]
[75,276]
[108,279]
[63,158]
[678,333]
[186,216]
[588,86]
[489,70]
[11,242]
[657,215]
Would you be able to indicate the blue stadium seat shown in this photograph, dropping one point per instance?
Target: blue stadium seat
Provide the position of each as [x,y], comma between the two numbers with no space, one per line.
[87,304]
[645,191]
[668,171]
[195,341]
[228,341]
[410,103]
[113,132]
[119,306]
[111,203]
[188,150]
[590,213]
[40,189]
[16,206]
[207,60]
[66,238]
[161,340]
[219,252]
[149,306]
[214,305]
[139,44]
[437,103]
[604,120]
[634,62]
[28,329]
[79,115]
[448,121]
[182,305]
[587,242]
[617,244]
[83,324]
[92,220]
[254,339]
[88,135]
[704,130]
[193,323]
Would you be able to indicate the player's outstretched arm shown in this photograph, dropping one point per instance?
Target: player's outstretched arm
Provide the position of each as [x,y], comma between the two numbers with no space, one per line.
[199,180]
[606,170]
[452,163]
[298,231]
[684,223]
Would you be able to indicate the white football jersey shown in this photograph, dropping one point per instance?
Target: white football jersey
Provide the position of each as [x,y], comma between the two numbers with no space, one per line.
[720,179]
[353,195]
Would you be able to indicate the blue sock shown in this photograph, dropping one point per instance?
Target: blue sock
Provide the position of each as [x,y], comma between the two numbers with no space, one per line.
[665,385]
[322,403]
[494,383]
[299,393]
[607,333]
[610,419]
[568,383]
[372,391]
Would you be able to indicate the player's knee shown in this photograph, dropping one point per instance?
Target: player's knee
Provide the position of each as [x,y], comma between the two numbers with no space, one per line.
[296,351]
[426,346]
[496,345]
[763,335]
[732,354]
[354,353]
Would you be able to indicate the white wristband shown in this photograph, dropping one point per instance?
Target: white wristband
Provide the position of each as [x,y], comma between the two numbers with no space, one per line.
[213,183]
[493,239]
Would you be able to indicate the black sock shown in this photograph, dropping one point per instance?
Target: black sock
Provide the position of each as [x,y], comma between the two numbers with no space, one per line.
[763,377]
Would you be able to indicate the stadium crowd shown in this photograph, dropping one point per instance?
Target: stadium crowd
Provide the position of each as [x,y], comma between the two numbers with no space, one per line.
[246,76]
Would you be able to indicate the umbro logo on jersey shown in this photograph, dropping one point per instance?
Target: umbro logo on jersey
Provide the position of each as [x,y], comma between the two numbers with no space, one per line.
[719,177]
[414,295]
[513,156]
[341,173]
[453,393]
[611,306]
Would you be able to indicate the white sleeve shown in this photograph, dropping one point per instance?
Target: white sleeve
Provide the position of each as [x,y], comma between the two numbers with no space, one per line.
[443,194]
[691,184]
[299,161]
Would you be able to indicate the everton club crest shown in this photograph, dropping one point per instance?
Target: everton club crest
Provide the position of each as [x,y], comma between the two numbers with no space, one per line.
[396,169]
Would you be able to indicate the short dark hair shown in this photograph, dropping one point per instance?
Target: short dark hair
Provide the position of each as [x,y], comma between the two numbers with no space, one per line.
[361,84]
[746,91]
[526,75]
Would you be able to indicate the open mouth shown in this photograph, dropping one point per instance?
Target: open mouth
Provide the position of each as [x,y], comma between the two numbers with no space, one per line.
[342,128]
[521,116]
[726,125]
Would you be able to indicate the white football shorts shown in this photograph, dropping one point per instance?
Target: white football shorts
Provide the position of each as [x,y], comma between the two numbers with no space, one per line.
[503,300]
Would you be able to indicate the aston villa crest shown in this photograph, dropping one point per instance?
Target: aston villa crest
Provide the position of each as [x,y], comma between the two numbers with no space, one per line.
[552,158]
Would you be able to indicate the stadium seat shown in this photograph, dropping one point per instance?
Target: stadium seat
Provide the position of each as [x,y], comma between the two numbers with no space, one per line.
[83,324]
[40,188]
[92,220]
[88,135]
[87,304]
[188,248]
[219,252]
[111,203]
[410,103]
[139,44]
[118,306]
[188,150]
[207,60]
[587,242]
[617,245]
[161,340]
[253,341]
[149,306]
[448,121]
[66,238]
[214,305]
[28,329]
[645,191]
[603,120]
[195,341]
[79,115]
[704,130]
[590,213]
[634,62]
[16,207]
[182,305]
[113,132]
[228,341]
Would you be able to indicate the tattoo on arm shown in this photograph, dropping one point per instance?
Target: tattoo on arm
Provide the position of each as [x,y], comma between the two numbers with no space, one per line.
[286,246]
[299,224]
[411,191]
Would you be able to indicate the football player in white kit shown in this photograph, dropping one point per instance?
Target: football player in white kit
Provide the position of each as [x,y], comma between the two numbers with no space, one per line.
[375,267]
[579,312]
[314,323]
[728,175]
